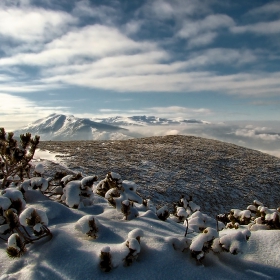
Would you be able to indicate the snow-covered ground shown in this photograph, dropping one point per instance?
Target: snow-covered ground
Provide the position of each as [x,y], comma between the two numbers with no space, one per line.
[71,254]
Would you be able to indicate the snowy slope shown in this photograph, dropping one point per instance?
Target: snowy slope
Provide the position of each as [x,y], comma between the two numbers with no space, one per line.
[71,254]
[62,127]
[219,175]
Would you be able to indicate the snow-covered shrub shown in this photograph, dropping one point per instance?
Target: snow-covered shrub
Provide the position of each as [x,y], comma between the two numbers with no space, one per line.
[68,178]
[14,156]
[243,217]
[34,218]
[111,194]
[232,225]
[112,180]
[39,170]
[184,208]
[35,183]
[198,221]
[134,249]
[78,193]
[105,259]
[256,216]
[136,233]
[147,204]
[12,219]
[130,189]
[202,243]
[120,194]
[17,201]
[15,246]
[88,225]
[133,244]
[128,209]
[163,213]
[232,241]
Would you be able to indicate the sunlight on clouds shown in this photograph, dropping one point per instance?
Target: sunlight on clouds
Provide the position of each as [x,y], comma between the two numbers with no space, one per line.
[16,111]
[49,24]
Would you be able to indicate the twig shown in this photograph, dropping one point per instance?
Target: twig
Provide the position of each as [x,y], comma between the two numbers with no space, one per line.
[187,228]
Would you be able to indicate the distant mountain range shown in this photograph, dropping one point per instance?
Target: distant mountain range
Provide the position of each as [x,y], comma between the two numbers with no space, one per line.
[62,127]
[144,121]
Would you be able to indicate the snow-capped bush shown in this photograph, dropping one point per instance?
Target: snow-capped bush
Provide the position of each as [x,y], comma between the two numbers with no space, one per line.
[184,208]
[105,259]
[233,241]
[134,249]
[203,242]
[35,183]
[68,178]
[39,169]
[15,246]
[130,189]
[136,233]
[34,218]
[112,180]
[88,225]
[128,209]
[256,216]
[163,213]
[17,201]
[199,221]
[77,194]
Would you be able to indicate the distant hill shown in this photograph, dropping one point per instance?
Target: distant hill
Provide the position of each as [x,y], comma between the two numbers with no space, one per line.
[218,175]
[62,127]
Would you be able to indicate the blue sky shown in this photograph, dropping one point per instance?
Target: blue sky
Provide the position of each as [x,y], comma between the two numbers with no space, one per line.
[213,60]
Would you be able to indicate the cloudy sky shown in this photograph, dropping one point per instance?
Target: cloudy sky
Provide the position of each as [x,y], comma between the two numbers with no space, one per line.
[213,60]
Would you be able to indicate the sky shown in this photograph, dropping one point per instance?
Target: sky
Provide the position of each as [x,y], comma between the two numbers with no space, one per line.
[212,60]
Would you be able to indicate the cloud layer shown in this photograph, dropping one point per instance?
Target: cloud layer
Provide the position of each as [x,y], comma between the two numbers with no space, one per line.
[107,47]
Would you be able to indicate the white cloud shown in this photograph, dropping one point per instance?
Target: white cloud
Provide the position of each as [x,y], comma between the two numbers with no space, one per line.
[242,84]
[133,26]
[269,8]
[203,32]
[263,28]
[257,133]
[192,28]
[17,87]
[85,44]
[35,24]
[16,111]
[203,39]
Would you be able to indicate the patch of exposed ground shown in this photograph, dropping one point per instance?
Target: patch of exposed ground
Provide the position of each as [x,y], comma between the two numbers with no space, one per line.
[219,175]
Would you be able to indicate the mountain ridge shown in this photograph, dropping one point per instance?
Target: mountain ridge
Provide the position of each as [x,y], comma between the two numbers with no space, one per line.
[62,127]
[66,128]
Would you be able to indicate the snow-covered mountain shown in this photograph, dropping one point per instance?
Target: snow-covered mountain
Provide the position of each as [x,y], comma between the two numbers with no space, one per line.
[62,127]
[145,121]
[66,128]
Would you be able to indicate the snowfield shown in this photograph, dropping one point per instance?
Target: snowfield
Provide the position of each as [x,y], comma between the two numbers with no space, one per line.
[144,246]
[70,254]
